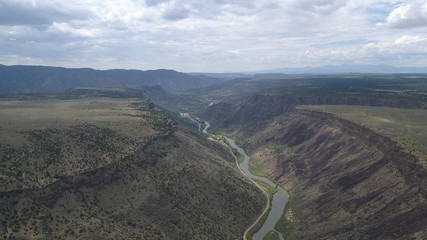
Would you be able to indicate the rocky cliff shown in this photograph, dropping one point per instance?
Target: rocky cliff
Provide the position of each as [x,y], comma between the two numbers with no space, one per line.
[345,181]
[263,107]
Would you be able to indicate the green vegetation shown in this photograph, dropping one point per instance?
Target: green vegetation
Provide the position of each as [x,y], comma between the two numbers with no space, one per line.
[407,127]
[271,235]
[267,187]
[255,168]
[288,222]
[240,159]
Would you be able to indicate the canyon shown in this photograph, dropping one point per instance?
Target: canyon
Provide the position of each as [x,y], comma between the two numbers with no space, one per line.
[345,181]
[124,162]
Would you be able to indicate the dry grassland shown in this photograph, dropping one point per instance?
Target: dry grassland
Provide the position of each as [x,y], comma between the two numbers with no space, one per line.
[17,117]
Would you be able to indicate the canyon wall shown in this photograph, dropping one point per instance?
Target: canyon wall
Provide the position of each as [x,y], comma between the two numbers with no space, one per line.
[264,107]
[345,181]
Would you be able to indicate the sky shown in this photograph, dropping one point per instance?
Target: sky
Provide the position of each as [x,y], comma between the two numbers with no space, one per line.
[212,35]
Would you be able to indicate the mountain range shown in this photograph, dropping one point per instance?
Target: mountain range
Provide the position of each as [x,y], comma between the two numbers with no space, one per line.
[345,68]
[32,79]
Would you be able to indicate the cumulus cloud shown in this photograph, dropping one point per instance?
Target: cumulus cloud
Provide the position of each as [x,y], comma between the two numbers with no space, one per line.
[403,51]
[402,45]
[413,14]
[208,35]
[65,28]
[412,40]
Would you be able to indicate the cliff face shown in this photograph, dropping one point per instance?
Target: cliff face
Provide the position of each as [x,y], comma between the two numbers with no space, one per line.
[263,107]
[346,181]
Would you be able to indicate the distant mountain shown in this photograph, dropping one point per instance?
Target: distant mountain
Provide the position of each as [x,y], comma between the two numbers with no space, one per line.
[54,79]
[347,68]
[227,76]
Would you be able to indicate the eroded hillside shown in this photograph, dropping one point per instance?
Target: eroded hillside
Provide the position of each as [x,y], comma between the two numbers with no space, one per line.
[346,182]
[104,168]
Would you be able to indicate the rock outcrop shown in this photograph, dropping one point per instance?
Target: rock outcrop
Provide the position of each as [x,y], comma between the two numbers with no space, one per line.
[346,181]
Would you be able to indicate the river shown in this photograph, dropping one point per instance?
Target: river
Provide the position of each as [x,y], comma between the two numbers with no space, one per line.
[280,198]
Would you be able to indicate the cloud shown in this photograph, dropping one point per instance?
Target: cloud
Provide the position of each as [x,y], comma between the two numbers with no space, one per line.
[151,3]
[19,60]
[413,14]
[403,51]
[176,13]
[65,28]
[26,12]
[317,7]
[412,40]
[209,35]
[402,45]
[19,14]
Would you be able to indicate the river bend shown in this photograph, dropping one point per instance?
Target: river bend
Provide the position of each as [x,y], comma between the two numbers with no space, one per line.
[278,203]
[280,198]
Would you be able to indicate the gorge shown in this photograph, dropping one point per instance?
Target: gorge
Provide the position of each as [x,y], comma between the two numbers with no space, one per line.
[127,163]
